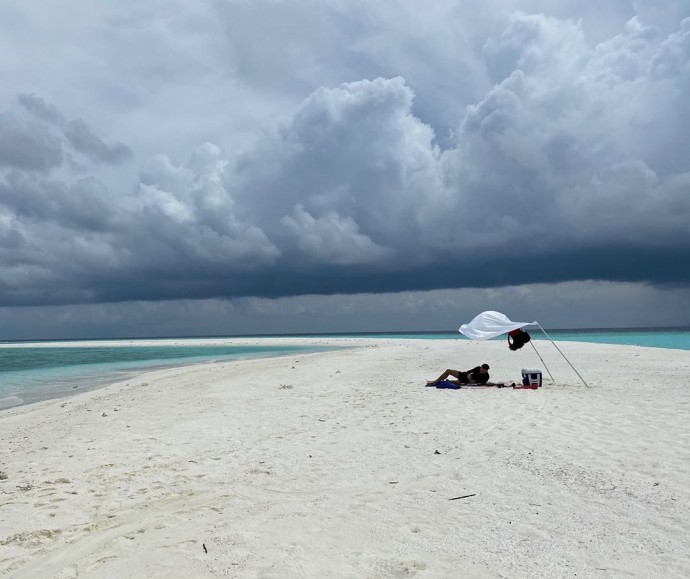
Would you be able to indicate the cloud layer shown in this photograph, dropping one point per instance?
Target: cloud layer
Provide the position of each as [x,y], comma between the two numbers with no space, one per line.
[356,150]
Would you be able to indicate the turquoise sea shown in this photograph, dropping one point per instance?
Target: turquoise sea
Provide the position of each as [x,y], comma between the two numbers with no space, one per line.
[673,338]
[29,374]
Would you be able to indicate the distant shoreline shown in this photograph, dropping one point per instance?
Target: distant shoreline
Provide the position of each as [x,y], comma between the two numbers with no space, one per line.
[677,338]
[449,333]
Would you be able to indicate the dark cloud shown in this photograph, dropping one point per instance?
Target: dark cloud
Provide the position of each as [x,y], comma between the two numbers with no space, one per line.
[305,45]
[82,206]
[78,134]
[567,162]
[41,109]
[83,140]
[574,304]
[26,146]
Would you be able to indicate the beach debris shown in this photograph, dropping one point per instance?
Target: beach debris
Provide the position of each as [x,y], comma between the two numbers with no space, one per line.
[3,475]
[204,546]
[393,482]
[26,487]
[655,484]
[285,387]
[144,383]
[463,497]
[436,452]
[104,414]
[31,538]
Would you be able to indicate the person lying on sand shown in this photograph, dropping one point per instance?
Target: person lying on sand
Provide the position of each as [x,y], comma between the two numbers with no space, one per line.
[477,375]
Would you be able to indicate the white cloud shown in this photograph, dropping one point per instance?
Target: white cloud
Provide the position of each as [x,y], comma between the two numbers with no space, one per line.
[357,148]
[332,239]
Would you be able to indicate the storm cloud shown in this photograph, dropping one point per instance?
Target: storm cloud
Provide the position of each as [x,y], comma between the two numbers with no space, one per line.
[356,149]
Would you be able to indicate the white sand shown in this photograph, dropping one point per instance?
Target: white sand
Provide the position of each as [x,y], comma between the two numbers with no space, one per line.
[325,465]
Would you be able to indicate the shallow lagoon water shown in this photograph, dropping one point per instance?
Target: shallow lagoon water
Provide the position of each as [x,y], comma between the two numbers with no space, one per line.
[30,374]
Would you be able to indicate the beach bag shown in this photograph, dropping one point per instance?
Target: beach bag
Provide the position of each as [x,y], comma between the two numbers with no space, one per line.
[520,338]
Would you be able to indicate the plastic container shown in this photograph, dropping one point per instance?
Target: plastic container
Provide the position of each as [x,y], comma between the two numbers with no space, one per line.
[531,378]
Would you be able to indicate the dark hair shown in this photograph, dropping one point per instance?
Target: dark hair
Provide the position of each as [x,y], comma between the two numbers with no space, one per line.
[485,366]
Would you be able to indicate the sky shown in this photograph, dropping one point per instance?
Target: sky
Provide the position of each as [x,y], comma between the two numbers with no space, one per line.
[226,167]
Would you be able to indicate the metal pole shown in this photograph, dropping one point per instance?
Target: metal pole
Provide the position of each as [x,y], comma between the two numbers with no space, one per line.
[542,360]
[562,354]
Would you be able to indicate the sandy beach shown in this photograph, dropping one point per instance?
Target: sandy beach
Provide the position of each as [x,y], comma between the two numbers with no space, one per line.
[343,464]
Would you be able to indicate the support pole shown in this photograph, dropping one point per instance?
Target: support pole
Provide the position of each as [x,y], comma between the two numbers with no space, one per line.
[542,361]
[562,354]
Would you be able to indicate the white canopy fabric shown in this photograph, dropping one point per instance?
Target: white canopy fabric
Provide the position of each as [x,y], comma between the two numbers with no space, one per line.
[488,325]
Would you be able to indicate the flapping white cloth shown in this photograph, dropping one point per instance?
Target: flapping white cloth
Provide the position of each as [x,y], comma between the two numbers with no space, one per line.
[489,325]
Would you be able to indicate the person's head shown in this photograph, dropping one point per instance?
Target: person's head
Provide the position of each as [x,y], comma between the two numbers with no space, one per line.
[484,369]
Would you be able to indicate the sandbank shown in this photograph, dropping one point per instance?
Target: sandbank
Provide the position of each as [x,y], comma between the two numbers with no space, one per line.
[343,464]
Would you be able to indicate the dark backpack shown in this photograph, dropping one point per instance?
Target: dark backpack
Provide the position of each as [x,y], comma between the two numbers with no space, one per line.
[520,338]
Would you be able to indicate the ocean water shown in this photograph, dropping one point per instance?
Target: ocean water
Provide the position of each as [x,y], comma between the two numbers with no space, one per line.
[31,374]
[673,338]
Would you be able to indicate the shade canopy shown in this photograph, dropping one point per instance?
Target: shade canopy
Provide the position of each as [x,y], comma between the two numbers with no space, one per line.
[490,324]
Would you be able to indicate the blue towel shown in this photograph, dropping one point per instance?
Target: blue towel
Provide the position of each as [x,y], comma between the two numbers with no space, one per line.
[446,384]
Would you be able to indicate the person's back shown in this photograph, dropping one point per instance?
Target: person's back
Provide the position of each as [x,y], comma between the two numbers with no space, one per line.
[478,375]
